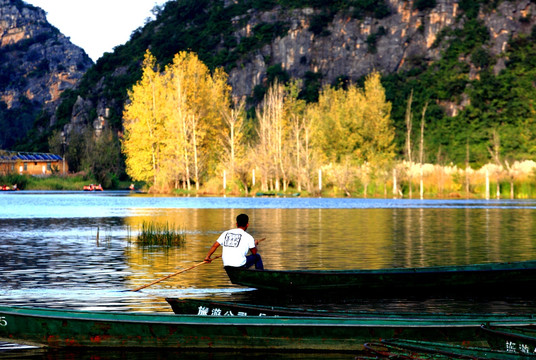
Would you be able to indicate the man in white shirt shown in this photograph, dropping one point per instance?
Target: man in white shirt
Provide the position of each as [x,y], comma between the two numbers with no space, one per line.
[236,244]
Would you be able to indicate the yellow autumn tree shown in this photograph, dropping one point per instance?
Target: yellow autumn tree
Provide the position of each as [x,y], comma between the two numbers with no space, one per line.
[354,123]
[233,160]
[378,131]
[194,122]
[272,131]
[173,121]
[143,120]
[335,126]
[352,128]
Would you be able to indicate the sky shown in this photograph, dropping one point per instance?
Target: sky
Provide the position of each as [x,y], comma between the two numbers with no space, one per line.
[97,26]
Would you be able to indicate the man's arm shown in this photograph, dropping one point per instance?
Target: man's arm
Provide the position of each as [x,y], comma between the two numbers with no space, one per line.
[211,251]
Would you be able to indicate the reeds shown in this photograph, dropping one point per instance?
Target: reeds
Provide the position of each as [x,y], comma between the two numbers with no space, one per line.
[160,234]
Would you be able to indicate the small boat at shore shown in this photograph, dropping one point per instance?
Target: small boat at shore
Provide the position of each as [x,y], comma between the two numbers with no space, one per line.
[93,187]
[74,328]
[517,277]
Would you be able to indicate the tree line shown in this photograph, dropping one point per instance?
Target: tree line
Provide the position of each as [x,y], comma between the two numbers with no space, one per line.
[183,129]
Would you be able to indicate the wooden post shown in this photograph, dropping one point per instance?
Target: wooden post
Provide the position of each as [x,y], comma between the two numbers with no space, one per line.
[394,183]
[498,189]
[487,184]
[421,184]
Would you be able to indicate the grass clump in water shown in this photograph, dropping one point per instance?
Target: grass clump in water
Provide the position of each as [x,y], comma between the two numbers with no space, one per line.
[160,234]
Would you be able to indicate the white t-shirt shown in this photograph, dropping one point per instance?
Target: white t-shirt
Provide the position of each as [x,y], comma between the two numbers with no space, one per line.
[236,244]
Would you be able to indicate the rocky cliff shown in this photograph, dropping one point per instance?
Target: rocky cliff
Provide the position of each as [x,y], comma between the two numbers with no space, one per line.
[37,63]
[354,47]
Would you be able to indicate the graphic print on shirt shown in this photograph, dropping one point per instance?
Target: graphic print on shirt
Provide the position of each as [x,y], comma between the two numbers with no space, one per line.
[232,240]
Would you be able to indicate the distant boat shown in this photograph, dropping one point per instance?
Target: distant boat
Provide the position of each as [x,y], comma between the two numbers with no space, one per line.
[276,194]
[92,187]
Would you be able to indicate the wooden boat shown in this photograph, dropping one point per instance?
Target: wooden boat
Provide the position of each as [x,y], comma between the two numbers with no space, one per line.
[520,340]
[393,348]
[210,307]
[219,308]
[466,279]
[71,328]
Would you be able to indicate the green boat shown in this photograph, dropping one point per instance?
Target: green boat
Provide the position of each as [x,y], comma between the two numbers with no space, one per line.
[465,279]
[72,328]
[394,348]
[520,340]
[219,308]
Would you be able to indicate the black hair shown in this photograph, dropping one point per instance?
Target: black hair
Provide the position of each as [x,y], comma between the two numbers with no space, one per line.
[242,220]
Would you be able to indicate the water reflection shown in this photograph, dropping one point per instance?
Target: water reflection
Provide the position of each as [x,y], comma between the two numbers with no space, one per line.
[76,250]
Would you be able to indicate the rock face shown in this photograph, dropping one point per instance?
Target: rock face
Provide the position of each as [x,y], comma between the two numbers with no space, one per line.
[355,47]
[37,62]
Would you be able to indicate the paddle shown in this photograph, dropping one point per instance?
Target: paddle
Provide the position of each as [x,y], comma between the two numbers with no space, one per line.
[175,273]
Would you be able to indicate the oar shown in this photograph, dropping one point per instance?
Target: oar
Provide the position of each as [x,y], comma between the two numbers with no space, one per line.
[175,273]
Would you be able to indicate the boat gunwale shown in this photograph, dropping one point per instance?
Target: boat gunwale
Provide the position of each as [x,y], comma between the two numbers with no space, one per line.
[488,267]
[275,321]
[506,331]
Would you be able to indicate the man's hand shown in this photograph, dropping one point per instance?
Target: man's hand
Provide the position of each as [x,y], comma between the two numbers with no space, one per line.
[208,259]
[258,241]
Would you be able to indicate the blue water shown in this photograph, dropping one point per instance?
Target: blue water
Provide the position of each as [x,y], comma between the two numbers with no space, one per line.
[47,204]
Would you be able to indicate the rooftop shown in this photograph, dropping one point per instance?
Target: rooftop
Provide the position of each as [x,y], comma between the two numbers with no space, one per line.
[14,156]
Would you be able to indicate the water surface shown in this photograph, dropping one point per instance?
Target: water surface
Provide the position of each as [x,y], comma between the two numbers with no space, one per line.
[77,250]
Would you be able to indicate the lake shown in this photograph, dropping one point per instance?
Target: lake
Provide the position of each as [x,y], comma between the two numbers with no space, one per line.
[77,249]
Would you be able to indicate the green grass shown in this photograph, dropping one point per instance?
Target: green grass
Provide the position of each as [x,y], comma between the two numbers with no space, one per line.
[57,183]
[160,234]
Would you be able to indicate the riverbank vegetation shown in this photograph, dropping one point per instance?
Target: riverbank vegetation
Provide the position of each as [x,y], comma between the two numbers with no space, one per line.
[54,182]
[70,182]
[182,132]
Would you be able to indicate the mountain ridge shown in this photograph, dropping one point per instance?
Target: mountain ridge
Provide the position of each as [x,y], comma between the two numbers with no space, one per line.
[37,64]
[451,53]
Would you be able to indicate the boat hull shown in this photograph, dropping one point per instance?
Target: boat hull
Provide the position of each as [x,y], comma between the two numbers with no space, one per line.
[219,308]
[472,279]
[521,340]
[63,328]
